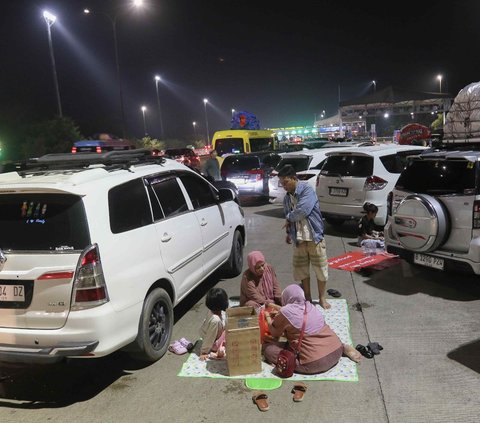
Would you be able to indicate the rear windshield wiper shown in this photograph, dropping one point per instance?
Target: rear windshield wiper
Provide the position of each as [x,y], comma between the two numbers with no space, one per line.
[335,174]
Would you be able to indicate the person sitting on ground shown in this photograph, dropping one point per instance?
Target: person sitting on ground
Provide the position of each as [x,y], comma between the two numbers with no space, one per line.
[369,235]
[259,285]
[213,328]
[321,348]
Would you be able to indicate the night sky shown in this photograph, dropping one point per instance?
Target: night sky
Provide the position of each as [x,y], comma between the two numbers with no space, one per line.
[284,63]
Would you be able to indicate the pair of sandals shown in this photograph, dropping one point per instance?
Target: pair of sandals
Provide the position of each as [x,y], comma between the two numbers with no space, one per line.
[180,347]
[373,348]
[260,398]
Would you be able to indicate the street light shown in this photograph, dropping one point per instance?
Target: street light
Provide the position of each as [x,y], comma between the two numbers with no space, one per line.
[157,80]
[144,109]
[194,130]
[374,86]
[233,111]
[113,20]
[439,77]
[50,20]
[205,101]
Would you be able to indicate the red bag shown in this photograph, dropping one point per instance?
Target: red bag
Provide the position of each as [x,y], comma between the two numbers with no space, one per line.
[286,363]
[286,360]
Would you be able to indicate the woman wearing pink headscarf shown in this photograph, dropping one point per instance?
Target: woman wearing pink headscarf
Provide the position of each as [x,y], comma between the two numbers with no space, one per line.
[321,348]
[259,284]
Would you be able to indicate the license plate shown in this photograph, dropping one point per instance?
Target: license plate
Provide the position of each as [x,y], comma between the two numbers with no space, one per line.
[429,261]
[338,192]
[12,293]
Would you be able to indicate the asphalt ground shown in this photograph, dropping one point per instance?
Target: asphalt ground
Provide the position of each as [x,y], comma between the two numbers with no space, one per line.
[428,371]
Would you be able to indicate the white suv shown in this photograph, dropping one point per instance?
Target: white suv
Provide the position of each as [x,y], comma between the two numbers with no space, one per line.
[351,177]
[97,249]
[435,211]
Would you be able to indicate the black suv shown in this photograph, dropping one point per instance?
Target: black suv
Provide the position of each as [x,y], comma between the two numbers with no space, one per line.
[250,173]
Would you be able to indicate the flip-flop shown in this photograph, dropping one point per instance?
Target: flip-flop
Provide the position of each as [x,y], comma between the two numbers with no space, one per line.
[261,401]
[177,348]
[334,293]
[298,391]
[375,347]
[365,351]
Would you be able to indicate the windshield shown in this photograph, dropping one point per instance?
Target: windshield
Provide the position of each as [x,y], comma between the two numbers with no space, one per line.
[439,176]
[229,146]
[238,164]
[261,144]
[53,222]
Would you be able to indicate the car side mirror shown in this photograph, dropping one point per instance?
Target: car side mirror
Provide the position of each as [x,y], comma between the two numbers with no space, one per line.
[225,194]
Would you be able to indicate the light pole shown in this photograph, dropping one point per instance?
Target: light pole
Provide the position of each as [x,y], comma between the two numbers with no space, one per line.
[439,77]
[157,80]
[50,20]
[113,20]
[205,101]
[194,130]
[144,109]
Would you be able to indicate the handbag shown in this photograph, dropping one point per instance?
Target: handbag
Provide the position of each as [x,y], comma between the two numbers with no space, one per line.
[286,360]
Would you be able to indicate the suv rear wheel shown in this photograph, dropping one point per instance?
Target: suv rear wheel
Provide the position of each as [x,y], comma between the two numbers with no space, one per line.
[421,223]
[155,328]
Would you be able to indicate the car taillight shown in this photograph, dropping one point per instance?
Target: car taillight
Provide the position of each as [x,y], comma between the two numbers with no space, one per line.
[74,150]
[89,288]
[476,214]
[374,183]
[257,172]
[98,149]
[389,203]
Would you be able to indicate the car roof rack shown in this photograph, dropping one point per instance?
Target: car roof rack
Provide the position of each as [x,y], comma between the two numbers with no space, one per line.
[110,159]
[457,144]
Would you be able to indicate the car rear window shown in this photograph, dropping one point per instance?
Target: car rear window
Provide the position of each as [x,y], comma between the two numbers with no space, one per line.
[348,165]
[439,177]
[239,164]
[299,163]
[229,146]
[52,222]
[261,144]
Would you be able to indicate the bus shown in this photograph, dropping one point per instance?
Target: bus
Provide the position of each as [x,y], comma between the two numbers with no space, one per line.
[235,141]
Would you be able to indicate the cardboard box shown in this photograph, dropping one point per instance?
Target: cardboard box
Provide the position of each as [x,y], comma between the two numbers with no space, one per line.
[243,346]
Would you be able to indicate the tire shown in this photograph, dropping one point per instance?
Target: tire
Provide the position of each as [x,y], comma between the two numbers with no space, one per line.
[234,265]
[155,327]
[334,221]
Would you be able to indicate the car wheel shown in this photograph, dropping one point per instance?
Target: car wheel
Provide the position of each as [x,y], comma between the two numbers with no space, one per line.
[155,327]
[334,221]
[233,267]
[421,223]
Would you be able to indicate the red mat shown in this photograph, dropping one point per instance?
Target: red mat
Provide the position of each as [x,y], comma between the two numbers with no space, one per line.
[356,260]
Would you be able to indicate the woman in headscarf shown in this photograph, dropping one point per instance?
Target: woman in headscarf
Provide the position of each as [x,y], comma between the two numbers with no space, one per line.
[321,348]
[259,284]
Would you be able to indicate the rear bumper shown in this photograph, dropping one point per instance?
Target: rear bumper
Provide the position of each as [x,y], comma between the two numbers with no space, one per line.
[45,355]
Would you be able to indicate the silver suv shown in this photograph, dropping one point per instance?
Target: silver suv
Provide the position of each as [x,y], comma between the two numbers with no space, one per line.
[434,211]
[97,249]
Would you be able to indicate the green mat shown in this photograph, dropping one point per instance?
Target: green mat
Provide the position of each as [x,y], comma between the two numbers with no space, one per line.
[262,383]
[336,317]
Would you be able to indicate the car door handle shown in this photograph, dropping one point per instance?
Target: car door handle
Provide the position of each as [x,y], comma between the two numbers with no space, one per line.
[203,222]
[166,237]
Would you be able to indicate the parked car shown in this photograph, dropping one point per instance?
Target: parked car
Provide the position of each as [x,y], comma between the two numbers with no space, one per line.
[97,250]
[250,173]
[434,211]
[351,177]
[307,165]
[185,156]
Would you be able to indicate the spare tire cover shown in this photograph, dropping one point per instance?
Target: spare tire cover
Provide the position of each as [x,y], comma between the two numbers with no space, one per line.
[421,223]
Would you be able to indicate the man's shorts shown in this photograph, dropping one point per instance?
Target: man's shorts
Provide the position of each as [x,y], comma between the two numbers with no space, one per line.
[308,253]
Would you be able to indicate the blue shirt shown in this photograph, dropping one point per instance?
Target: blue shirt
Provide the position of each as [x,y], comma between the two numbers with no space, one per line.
[307,208]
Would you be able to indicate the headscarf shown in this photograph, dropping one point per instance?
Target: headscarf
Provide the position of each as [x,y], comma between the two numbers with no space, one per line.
[266,280]
[293,300]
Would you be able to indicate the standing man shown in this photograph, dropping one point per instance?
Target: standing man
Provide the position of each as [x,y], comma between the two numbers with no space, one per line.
[304,226]
[211,169]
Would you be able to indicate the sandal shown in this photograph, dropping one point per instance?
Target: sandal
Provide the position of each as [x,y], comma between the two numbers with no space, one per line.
[334,293]
[260,399]
[365,351]
[298,391]
[177,348]
[186,343]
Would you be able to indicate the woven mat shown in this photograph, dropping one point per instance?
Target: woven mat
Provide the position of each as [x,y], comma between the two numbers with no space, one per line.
[336,317]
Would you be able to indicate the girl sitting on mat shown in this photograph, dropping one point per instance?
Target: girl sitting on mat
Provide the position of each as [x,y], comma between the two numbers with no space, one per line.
[213,328]
[259,285]
[321,348]
[369,236]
